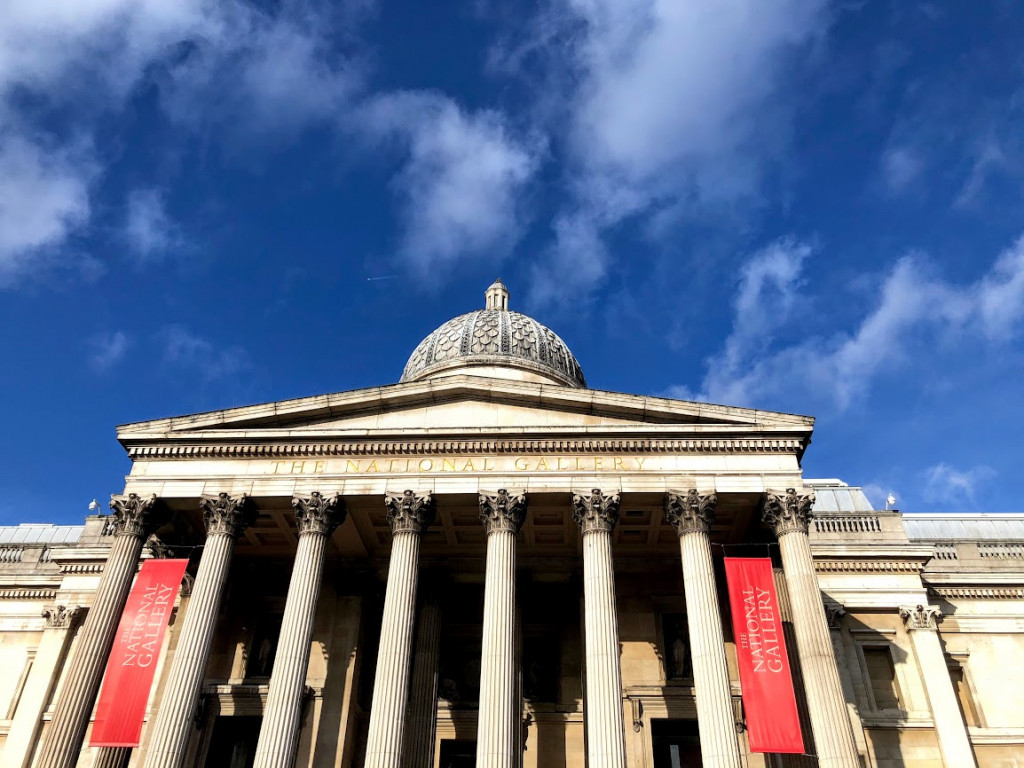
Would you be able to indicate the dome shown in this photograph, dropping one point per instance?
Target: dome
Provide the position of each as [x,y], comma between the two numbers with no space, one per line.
[495,342]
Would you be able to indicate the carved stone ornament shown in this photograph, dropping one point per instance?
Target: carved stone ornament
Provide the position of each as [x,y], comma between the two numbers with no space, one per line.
[503,511]
[135,515]
[227,515]
[61,616]
[921,616]
[410,511]
[595,511]
[834,613]
[317,513]
[788,512]
[690,511]
[158,548]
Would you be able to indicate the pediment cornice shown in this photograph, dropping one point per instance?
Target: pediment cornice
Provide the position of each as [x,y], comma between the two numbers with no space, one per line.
[658,423]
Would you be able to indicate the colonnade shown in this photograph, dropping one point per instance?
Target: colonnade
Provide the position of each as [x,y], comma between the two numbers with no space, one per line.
[410,513]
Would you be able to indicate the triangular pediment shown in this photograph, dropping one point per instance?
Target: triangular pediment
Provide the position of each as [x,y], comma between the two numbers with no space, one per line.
[469,405]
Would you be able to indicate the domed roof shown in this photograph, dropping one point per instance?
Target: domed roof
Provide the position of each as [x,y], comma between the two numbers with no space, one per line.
[495,338]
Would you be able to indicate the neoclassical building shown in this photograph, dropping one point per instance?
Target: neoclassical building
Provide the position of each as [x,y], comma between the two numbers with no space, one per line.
[490,564]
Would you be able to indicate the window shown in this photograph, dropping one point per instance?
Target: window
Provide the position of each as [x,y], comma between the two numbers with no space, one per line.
[263,647]
[882,676]
[675,640]
[958,675]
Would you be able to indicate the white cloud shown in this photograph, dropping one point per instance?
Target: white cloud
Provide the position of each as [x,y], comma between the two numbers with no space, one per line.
[675,103]
[107,350]
[44,196]
[184,350]
[901,167]
[461,181]
[944,484]
[148,230]
[259,70]
[915,309]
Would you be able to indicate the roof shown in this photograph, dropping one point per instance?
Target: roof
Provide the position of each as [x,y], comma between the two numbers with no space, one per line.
[837,496]
[964,526]
[35,533]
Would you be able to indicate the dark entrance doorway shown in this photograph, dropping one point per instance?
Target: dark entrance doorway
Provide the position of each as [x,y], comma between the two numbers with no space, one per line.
[233,743]
[676,743]
[458,754]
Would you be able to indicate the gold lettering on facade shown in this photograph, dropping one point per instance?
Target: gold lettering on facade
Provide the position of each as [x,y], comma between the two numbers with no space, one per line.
[427,464]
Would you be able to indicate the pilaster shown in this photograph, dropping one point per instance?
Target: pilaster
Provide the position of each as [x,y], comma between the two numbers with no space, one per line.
[921,622]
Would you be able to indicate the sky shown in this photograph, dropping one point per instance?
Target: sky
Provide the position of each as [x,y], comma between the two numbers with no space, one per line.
[795,205]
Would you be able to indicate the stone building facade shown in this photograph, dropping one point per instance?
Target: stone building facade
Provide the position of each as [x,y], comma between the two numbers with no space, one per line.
[490,564]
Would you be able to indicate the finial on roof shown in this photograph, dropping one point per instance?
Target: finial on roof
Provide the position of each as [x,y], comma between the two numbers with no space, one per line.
[497,296]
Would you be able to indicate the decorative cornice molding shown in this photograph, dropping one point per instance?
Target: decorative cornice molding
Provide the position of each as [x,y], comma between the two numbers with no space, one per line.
[28,594]
[61,616]
[595,511]
[788,512]
[921,616]
[409,511]
[227,515]
[980,593]
[135,515]
[868,566]
[503,511]
[319,514]
[81,567]
[460,447]
[690,511]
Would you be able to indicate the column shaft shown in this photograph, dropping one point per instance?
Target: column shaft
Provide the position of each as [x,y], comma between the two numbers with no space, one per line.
[181,694]
[498,721]
[279,734]
[63,740]
[715,719]
[391,681]
[606,745]
[421,726]
[954,741]
[826,704]
[112,757]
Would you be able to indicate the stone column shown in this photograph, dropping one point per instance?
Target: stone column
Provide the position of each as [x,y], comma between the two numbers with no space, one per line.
[225,518]
[409,515]
[135,518]
[691,513]
[421,725]
[497,738]
[596,514]
[316,517]
[112,757]
[954,742]
[788,515]
[61,621]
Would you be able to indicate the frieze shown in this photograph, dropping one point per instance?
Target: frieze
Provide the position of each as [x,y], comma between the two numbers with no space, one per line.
[466,447]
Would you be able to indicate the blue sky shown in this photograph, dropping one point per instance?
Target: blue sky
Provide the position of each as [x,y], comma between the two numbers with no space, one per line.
[797,205]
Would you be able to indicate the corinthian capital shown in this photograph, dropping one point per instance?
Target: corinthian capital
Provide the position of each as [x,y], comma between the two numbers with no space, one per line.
[319,514]
[921,616]
[503,511]
[135,515]
[690,511]
[595,511]
[61,616]
[409,511]
[228,515]
[788,512]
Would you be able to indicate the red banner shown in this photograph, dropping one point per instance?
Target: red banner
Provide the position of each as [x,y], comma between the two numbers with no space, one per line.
[133,659]
[768,696]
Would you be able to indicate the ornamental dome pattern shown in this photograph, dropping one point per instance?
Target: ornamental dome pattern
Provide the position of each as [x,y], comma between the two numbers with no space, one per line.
[495,336]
